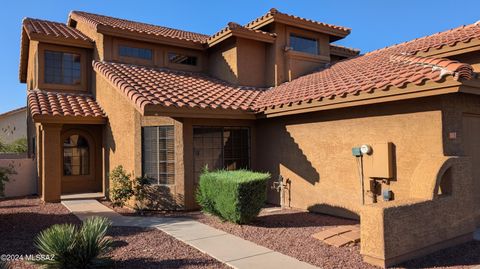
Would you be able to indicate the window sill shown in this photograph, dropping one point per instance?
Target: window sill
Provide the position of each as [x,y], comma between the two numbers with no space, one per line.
[297,55]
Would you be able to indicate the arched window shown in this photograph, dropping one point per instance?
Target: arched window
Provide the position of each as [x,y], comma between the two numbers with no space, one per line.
[76,156]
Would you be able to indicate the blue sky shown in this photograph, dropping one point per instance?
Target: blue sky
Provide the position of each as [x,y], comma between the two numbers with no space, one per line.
[375,23]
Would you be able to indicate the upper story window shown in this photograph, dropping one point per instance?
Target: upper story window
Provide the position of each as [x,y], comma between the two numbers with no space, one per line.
[177,58]
[140,53]
[303,44]
[62,68]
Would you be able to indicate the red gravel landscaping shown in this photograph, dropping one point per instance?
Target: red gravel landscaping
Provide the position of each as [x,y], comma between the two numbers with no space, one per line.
[23,218]
[289,232]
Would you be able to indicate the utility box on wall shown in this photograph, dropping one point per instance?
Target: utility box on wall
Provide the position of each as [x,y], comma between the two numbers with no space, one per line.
[382,161]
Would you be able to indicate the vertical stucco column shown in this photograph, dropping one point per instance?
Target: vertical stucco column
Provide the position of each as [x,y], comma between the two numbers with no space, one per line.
[51,163]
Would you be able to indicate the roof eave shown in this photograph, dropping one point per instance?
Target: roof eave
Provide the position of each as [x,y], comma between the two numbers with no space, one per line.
[429,88]
[106,30]
[242,33]
[62,41]
[336,34]
[24,48]
[159,110]
[69,119]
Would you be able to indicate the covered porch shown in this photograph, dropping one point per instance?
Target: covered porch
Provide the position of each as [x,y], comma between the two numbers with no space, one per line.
[66,134]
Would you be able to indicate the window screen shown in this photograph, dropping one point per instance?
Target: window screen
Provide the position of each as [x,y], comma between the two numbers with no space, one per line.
[158,154]
[304,44]
[177,58]
[62,68]
[141,53]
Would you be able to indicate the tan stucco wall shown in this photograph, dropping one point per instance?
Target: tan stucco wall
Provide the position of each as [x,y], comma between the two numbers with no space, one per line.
[13,126]
[251,62]
[222,61]
[314,150]
[122,129]
[390,232]
[32,72]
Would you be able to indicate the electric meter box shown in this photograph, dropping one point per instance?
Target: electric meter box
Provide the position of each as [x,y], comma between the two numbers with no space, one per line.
[382,161]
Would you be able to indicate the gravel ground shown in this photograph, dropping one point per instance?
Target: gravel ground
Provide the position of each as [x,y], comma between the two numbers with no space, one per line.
[289,232]
[22,219]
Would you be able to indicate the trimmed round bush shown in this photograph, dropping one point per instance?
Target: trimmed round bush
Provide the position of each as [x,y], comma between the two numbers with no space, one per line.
[235,196]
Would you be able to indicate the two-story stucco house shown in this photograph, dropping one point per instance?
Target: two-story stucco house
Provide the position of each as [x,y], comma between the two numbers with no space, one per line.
[273,95]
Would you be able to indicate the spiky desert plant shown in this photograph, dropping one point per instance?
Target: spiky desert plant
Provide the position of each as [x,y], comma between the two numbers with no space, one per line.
[72,247]
[4,265]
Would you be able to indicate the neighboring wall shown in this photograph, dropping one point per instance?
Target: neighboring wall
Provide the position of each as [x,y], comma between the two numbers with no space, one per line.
[13,126]
[23,181]
[314,150]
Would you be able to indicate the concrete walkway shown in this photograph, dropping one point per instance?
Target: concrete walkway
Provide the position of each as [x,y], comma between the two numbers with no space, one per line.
[227,248]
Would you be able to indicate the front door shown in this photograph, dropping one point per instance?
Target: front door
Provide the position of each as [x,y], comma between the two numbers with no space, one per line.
[471,133]
[80,162]
[220,148]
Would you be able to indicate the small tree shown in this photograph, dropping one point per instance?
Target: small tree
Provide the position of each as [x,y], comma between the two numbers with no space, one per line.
[121,189]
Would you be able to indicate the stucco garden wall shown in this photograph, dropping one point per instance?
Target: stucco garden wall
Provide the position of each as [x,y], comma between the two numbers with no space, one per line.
[404,229]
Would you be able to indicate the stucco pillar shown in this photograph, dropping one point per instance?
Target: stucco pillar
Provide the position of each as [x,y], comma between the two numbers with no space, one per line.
[51,163]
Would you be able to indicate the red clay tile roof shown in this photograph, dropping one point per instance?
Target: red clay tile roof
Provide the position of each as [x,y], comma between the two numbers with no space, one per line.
[138,27]
[274,12]
[394,66]
[168,88]
[341,50]
[53,29]
[462,34]
[43,103]
[235,26]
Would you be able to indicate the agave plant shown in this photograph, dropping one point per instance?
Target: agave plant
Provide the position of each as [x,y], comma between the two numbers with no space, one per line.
[4,265]
[75,248]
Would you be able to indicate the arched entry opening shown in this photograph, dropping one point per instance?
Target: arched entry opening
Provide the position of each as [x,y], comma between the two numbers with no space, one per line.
[79,163]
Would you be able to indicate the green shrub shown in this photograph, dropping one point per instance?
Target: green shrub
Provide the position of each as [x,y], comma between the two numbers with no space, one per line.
[5,173]
[71,247]
[17,146]
[140,192]
[121,188]
[236,196]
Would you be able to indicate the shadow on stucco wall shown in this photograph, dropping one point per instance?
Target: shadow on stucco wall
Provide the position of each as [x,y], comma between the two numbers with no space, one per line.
[333,210]
[162,198]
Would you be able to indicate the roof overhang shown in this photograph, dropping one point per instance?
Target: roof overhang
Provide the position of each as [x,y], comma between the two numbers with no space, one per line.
[13,112]
[429,88]
[68,119]
[158,110]
[239,31]
[24,48]
[335,34]
[106,30]
[448,51]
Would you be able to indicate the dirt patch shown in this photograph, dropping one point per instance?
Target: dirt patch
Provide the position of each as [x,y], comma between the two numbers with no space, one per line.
[22,219]
[150,248]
